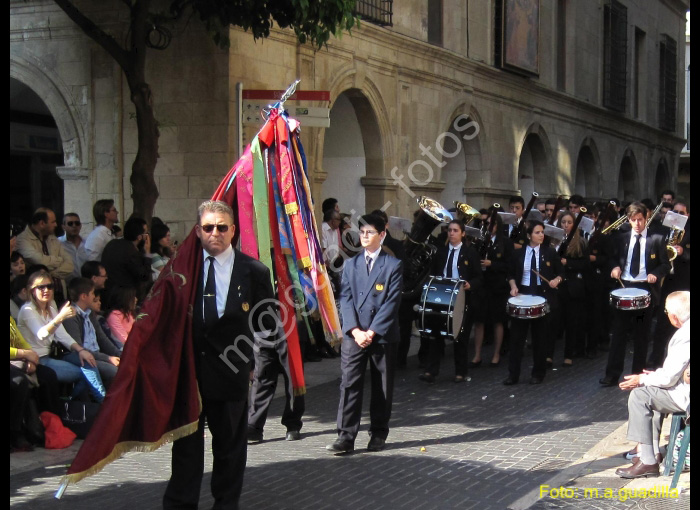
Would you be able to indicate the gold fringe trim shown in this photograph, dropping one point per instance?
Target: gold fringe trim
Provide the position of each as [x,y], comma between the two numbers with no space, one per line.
[291,208]
[306,262]
[132,446]
[300,391]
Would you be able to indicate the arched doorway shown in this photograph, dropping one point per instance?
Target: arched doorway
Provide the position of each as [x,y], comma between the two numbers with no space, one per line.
[627,181]
[662,180]
[36,150]
[352,149]
[532,166]
[461,155]
[587,172]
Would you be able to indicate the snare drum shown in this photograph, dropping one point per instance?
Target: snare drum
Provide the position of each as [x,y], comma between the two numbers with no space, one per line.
[527,307]
[441,307]
[630,299]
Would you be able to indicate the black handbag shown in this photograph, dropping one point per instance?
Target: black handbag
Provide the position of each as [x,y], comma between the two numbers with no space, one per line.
[57,350]
[79,416]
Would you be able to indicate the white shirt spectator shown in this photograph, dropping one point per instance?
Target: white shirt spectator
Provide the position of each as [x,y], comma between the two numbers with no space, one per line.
[96,242]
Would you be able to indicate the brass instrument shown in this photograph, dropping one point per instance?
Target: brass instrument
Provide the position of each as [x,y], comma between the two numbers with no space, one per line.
[466,212]
[418,250]
[615,225]
[674,239]
[653,215]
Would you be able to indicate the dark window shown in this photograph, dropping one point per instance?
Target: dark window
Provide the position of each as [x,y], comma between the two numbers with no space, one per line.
[667,83]
[378,12]
[498,33]
[615,57]
[435,22]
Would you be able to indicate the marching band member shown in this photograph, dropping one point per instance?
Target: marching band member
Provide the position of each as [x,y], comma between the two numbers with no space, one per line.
[639,261]
[490,301]
[535,270]
[456,260]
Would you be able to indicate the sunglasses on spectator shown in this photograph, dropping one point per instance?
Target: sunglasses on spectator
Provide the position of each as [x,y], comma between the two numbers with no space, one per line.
[210,228]
[73,223]
[46,286]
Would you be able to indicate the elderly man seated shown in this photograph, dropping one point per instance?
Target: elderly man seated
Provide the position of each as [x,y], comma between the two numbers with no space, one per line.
[659,392]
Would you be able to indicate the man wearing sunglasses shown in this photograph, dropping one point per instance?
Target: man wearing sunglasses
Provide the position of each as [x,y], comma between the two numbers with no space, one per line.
[73,243]
[370,295]
[234,308]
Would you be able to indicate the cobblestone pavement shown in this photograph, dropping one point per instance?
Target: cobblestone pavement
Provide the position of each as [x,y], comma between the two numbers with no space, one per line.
[476,445]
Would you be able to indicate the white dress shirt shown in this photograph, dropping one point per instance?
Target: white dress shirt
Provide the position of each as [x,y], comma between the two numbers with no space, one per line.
[642,276]
[527,269]
[455,261]
[96,242]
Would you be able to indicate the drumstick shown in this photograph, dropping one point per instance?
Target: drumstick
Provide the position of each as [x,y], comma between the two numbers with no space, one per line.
[542,278]
[623,285]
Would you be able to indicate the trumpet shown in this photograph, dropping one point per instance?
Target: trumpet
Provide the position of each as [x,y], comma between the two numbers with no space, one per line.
[674,238]
[615,225]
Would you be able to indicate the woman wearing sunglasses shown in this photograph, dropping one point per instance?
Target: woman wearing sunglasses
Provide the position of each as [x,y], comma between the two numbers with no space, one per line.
[40,324]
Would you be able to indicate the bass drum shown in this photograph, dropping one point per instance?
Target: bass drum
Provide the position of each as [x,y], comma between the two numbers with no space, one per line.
[441,307]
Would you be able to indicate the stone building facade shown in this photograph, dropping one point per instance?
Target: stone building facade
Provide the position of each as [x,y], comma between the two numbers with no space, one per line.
[422,107]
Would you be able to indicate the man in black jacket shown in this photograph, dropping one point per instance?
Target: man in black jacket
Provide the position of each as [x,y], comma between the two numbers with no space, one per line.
[234,306]
[639,261]
[127,260]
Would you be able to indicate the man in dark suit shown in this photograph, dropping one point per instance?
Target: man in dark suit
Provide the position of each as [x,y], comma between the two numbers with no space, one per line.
[640,261]
[456,260]
[126,259]
[233,307]
[370,294]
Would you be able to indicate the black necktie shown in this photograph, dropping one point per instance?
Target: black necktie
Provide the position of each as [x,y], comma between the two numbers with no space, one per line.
[369,264]
[450,261]
[533,267]
[636,255]
[210,312]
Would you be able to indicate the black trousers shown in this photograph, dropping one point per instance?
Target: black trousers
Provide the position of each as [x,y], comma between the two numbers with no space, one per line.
[227,422]
[267,370]
[541,341]
[629,322]
[353,363]
[461,344]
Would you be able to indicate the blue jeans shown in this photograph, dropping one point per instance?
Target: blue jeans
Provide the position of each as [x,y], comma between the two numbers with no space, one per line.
[69,370]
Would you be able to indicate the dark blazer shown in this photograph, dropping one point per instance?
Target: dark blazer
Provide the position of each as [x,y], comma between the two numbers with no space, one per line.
[75,327]
[577,272]
[500,255]
[372,301]
[249,310]
[126,266]
[522,236]
[550,268]
[655,258]
[468,265]
[394,247]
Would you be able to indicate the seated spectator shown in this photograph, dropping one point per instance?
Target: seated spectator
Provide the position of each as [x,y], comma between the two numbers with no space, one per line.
[96,308]
[84,328]
[93,270]
[17,265]
[161,248]
[663,391]
[122,312]
[41,323]
[39,245]
[127,260]
[73,242]
[28,379]
[18,294]
[106,215]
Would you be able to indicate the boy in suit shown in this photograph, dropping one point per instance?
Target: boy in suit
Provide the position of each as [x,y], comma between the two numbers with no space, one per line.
[370,294]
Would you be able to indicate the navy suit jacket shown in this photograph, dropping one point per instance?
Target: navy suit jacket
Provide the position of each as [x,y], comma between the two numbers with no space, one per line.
[550,268]
[372,301]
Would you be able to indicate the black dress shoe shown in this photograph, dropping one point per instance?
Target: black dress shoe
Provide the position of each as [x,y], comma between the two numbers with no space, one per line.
[254,436]
[536,380]
[608,382]
[376,444]
[292,435]
[510,381]
[474,364]
[638,470]
[341,446]
[426,377]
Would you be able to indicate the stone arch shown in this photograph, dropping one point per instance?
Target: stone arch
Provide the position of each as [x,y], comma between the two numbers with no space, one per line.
[588,171]
[535,162]
[58,99]
[628,184]
[461,152]
[662,178]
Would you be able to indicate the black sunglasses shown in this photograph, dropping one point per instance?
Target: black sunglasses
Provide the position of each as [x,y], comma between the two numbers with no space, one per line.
[73,223]
[46,286]
[210,228]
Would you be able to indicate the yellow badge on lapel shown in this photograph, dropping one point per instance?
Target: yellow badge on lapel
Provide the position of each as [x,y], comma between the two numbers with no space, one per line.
[379,287]
[548,263]
[245,306]
[653,255]
[498,255]
[466,262]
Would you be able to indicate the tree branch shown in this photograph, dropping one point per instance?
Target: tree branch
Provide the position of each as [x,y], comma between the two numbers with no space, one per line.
[95,33]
